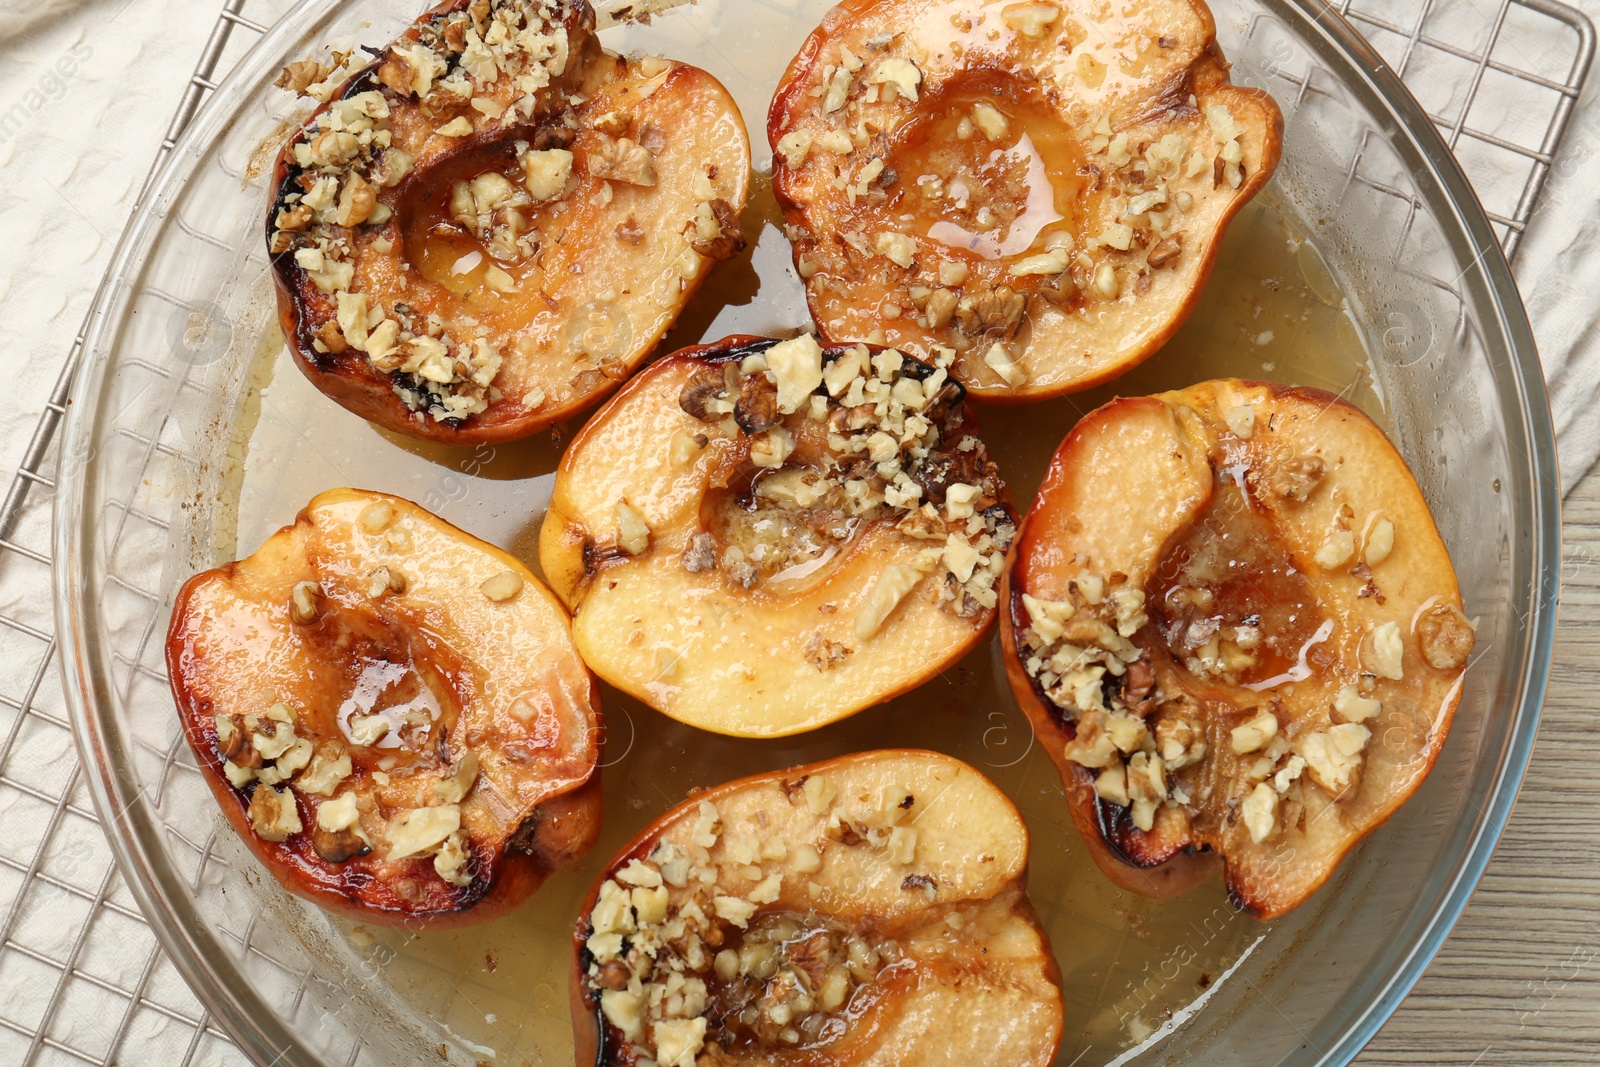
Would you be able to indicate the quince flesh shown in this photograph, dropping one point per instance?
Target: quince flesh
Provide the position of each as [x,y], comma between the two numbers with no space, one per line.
[866,910]
[390,712]
[1231,618]
[498,253]
[739,566]
[1041,185]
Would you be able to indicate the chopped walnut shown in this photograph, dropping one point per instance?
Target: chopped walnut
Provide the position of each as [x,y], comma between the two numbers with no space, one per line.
[996,312]
[892,586]
[1298,478]
[300,75]
[622,160]
[304,606]
[1165,252]
[1031,19]
[395,73]
[1446,637]
[1383,652]
[1092,745]
[824,654]
[897,248]
[1380,542]
[1350,706]
[357,201]
[546,174]
[1333,756]
[1253,734]
[1259,811]
[502,586]
[940,308]
[706,385]
[701,555]
[332,338]
[630,232]
[1180,741]
[756,410]
[295,218]
[274,815]
[727,236]
[384,580]
[633,534]
[375,517]
[901,73]
[1048,263]
[337,836]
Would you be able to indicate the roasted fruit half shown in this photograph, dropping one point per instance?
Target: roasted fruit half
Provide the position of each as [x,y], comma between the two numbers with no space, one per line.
[867,910]
[1041,185]
[390,712]
[490,226]
[1235,628]
[761,537]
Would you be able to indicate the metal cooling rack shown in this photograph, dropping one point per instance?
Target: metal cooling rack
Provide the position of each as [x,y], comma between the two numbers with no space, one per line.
[64,911]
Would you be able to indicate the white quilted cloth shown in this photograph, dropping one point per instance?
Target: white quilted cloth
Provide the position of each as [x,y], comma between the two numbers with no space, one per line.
[87,88]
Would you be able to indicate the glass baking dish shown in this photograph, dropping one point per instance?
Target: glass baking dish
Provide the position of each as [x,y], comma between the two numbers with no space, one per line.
[192,438]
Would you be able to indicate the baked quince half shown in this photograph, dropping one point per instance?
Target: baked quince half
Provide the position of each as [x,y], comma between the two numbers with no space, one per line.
[1235,628]
[489,227]
[760,537]
[1041,185]
[866,910]
[390,712]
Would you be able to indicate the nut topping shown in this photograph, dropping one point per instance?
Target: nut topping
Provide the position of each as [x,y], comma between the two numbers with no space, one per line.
[502,587]
[623,160]
[303,603]
[273,813]
[1445,637]
[1298,478]
[718,234]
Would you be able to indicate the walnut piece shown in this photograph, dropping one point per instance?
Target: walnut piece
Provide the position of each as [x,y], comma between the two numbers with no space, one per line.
[705,385]
[623,160]
[304,605]
[1298,478]
[357,200]
[701,555]
[630,232]
[998,312]
[1445,637]
[824,654]
[757,407]
[729,240]
[502,587]
[273,813]
[301,75]
[633,533]
[1165,252]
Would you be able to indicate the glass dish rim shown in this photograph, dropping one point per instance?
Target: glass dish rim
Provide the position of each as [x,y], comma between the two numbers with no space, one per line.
[1522,392]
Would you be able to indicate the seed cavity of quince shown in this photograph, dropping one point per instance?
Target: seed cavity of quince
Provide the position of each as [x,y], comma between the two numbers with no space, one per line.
[887,460]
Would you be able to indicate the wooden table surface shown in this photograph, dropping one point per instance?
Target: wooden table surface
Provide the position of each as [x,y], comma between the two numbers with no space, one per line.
[1518,981]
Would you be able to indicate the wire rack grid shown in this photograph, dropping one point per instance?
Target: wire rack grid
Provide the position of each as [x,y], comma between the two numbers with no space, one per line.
[64,911]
